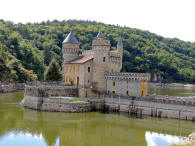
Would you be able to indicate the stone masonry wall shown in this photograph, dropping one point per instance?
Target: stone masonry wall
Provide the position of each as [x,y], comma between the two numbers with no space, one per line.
[38,97]
[129,105]
[121,87]
[56,104]
[152,107]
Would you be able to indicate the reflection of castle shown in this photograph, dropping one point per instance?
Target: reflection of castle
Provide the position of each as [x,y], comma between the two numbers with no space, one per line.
[97,129]
[99,68]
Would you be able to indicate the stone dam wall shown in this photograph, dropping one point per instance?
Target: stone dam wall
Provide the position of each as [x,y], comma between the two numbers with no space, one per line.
[155,106]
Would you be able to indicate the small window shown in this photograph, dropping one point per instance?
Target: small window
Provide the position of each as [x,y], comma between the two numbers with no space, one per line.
[127,92]
[104,59]
[113,83]
[88,69]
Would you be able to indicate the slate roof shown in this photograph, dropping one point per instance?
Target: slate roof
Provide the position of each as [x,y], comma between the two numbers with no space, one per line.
[120,42]
[81,59]
[100,35]
[71,39]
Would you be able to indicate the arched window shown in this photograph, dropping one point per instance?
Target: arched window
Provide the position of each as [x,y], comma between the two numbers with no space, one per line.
[89,69]
[113,83]
[104,59]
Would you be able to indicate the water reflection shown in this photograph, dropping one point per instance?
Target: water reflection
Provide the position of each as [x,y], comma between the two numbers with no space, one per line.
[159,139]
[19,125]
[22,139]
[28,139]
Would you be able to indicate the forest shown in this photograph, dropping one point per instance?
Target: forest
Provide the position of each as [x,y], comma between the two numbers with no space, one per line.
[27,49]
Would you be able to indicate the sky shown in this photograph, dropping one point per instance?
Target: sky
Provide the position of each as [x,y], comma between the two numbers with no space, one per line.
[169,18]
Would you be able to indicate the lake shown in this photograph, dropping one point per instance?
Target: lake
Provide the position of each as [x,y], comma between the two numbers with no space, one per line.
[173,91]
[25,127]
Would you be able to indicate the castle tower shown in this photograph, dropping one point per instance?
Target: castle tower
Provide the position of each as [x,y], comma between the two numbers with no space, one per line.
[101,48]
[70,49]
[120,50]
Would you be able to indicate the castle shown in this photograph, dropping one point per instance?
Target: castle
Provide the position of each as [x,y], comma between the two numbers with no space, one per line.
[98,70]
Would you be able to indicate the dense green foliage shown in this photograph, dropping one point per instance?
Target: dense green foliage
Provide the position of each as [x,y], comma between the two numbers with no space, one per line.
[34,45]
[53,73]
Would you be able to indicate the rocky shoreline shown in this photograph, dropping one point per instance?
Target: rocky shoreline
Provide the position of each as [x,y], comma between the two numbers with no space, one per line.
[190,140]
[12,87]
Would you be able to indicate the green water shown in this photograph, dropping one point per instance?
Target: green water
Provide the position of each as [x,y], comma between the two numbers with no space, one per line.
[24,127]
[173,91]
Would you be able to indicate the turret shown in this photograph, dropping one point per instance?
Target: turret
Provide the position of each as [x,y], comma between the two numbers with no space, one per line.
[120,46]
[120,50]
[70,49]
[100,42]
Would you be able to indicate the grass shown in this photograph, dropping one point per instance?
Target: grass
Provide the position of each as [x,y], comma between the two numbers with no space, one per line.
[79,101]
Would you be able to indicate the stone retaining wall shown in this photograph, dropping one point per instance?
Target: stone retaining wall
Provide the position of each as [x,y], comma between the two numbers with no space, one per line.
[56,104]
[41,98]
[5,88]
[131,106]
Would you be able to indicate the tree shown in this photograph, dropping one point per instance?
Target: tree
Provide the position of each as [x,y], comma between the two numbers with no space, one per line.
[53,72]
[34,45]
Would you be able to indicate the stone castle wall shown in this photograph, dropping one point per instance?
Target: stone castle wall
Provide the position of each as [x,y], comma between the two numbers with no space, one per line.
[124,87]
[48,91]
[129,84]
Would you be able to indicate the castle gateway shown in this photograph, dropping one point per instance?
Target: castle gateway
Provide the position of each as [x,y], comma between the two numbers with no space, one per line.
[97,70]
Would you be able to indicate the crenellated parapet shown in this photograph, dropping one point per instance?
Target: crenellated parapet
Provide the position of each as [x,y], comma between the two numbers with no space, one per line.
[127,76]
[97,42]
[87,52]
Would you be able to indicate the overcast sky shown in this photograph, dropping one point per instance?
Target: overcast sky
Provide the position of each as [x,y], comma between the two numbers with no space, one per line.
[169,18]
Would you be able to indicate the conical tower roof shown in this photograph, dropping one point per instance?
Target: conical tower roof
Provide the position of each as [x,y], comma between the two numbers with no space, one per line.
[71,39]
[120,42]
[100,35]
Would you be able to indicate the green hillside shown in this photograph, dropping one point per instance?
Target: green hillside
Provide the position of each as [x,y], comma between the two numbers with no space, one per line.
[27,49]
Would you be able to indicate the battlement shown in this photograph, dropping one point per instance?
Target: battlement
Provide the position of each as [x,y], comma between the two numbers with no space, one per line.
[87,52]
[127,76]
[101,42]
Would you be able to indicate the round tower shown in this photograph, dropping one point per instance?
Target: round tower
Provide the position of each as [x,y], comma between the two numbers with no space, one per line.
[70,49]
[101,48]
